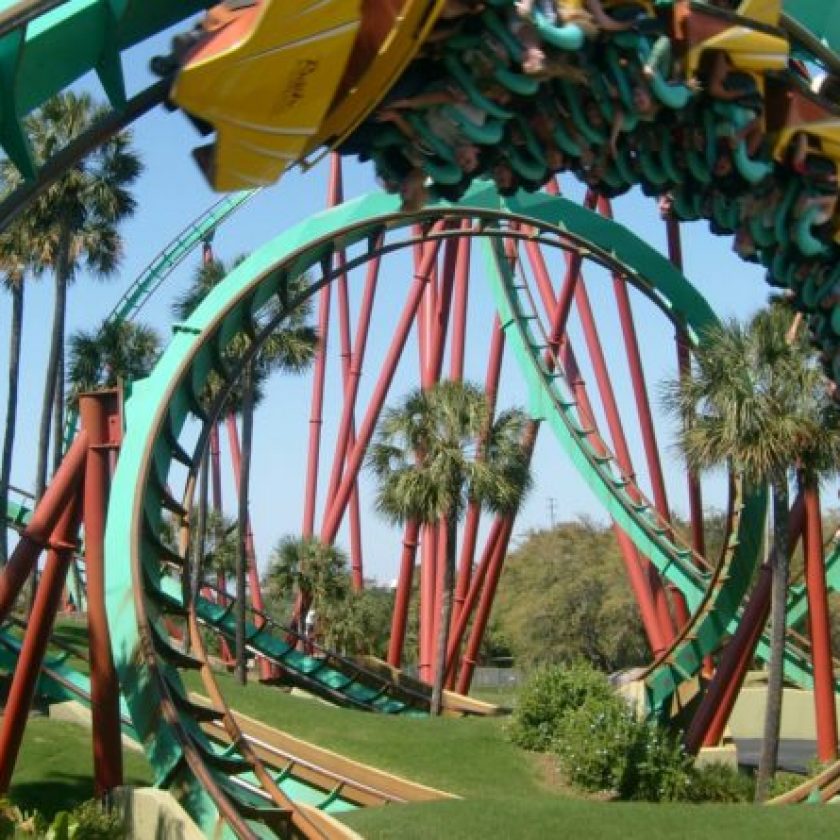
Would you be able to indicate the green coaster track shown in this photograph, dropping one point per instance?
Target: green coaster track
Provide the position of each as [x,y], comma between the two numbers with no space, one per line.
[163,409]
[227,790]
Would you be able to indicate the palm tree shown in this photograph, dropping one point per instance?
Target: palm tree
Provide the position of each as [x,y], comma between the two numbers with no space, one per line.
[15,263]
[75,224]
[312,568]
[117,351]
[429,465]
[757,398]
[289,348]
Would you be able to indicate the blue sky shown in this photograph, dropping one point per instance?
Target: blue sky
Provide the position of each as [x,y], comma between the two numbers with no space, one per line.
[172,193]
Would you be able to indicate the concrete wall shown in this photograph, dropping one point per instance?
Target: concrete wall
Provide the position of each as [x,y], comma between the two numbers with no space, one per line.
[798,719]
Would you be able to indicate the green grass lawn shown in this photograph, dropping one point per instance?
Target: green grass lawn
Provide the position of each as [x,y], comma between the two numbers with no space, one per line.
[506,792]
[54,771]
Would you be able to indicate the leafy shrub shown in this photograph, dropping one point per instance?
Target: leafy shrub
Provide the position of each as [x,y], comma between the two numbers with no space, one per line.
[602,746]
[88,821]
[548,696]
[719,783]
[658,769]
[593,744]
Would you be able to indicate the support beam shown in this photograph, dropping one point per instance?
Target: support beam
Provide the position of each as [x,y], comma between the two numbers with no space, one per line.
[61,490]
[47,601]
[819,625]
[335,512]
[100,418]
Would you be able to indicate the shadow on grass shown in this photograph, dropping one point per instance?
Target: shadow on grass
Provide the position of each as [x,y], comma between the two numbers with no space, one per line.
[58,792]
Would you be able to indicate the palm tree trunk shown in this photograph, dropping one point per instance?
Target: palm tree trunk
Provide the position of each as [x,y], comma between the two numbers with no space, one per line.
[446,612]
[58,410]
[773,714]
[62,273]
[11,412]
[242,552]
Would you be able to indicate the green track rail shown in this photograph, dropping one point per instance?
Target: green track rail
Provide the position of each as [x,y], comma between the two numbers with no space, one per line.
[41,57]
[35,64]
[60,682]
[713,595]
[139,597]
[160,269]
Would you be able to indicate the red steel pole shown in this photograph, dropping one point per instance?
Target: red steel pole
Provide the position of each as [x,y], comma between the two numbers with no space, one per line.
[461,302]
[336,509]
[485,607]
[428,587]
[473,515]
[36,536]
[710,719]
[316,416]
[95,411]
[622,450]
[402,600]
[456,637]
[819,626]
[351,388]
[39,628]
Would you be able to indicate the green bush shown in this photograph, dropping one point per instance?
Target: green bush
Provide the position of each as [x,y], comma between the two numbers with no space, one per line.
[548,695]
[719,783]
[88,821]
[658,769]
[593,744]
[602,746]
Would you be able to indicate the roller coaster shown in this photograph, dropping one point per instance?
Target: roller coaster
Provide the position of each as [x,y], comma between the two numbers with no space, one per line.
[468,113]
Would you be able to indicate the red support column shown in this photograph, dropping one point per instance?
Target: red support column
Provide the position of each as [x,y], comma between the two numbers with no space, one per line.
[461,301]
[428,588]
[710,719]
[621,448]
[485,607]
[473,515]
[819,627]
[335,511]
[96,410]
[402,600]
[351,388]
[316,412]
[456,637]
[39,628]
[36,536]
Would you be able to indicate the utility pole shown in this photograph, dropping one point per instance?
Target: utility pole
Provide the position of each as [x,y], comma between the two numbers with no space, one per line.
[552,507]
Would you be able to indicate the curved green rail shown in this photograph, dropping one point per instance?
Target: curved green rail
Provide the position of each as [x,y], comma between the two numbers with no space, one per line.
[35,62]
[139,598]
[60,682]
[713,595]
[135,297]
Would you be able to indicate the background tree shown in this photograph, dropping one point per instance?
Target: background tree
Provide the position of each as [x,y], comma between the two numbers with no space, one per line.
[289,348]
[563,597]
[74,224]
[758,398]
[117,351]
[358,624]
[429,462]
[312,568]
